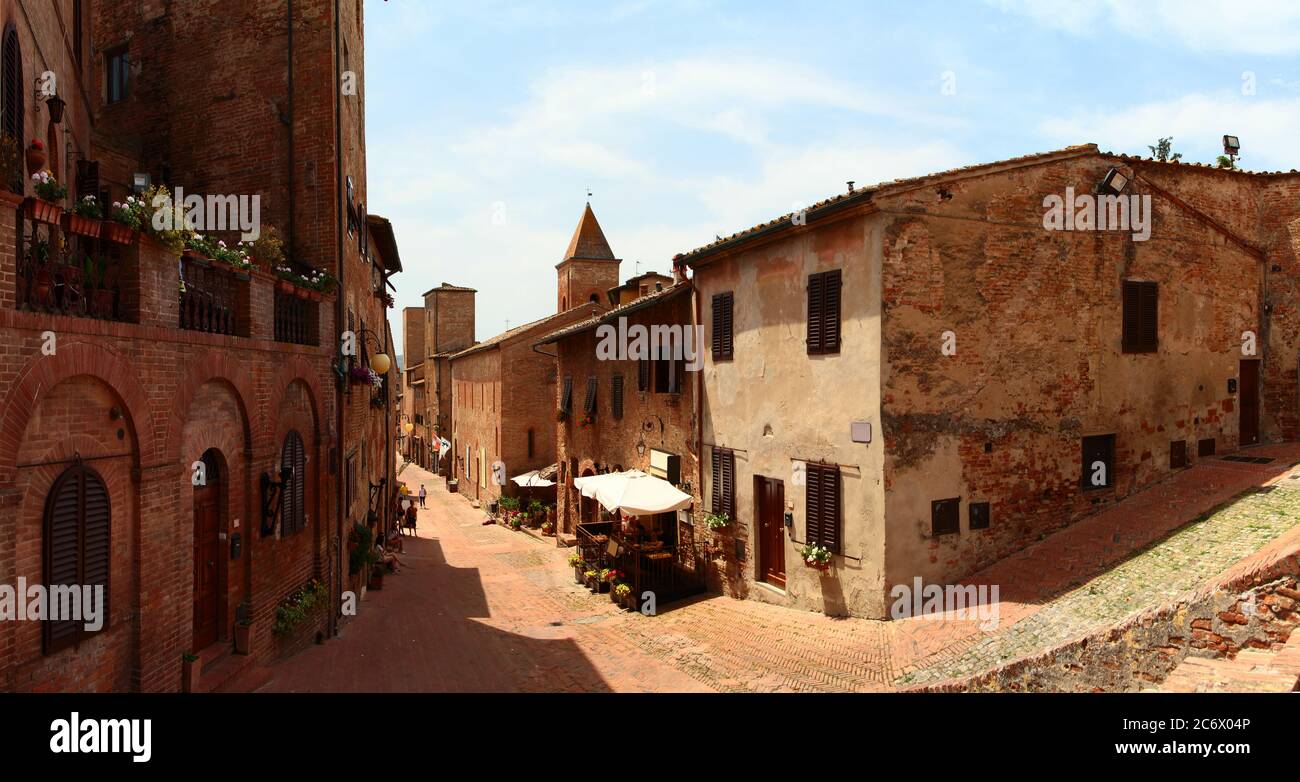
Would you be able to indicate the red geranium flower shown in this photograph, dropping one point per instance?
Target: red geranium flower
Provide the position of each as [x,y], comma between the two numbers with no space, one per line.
[36,144]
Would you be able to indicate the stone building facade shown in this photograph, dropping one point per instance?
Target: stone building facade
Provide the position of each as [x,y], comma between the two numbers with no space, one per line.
[939,379]
[113,405]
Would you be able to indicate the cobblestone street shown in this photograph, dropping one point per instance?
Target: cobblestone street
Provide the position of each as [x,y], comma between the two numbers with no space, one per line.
[483,608]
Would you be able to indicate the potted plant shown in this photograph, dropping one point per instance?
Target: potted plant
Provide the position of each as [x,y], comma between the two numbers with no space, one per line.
[189,672]
[607,578]
[243,636]
[622,593]
[125,219]
[816,557]
[84,219]
[592,579]
[548,528]
[716,521]
[575,562]
[38,256]
[267,250]
[35,156]
[44,208]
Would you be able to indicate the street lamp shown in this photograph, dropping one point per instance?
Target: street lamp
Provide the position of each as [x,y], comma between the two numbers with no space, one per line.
[380,362]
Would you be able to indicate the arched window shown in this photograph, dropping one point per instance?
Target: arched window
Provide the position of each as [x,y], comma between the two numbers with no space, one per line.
[77,554]
[11,85]
[293,514]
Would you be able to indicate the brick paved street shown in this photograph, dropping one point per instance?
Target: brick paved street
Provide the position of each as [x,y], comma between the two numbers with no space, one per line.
[484,608]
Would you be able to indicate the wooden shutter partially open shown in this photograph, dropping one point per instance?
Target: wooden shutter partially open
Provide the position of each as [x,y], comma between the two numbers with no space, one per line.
[723,340]
[589,404]
[815,301]
[566,397]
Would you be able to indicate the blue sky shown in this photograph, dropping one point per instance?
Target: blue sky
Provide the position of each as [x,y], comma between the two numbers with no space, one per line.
[487,122]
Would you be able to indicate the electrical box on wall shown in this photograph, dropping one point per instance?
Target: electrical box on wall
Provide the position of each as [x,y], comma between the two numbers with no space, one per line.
[860,431]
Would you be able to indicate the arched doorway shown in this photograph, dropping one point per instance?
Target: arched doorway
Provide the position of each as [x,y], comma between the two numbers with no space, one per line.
[209,505]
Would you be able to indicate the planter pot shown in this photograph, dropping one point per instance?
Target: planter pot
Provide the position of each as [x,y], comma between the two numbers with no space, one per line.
[194,257]
[315,295]
[44,280]
[243,638]
[190,676]
[577,576]
[117,233]
[81,226]
[284,286]
[242,276]
[302,293]
[42,211]
[603,587]
[35,160]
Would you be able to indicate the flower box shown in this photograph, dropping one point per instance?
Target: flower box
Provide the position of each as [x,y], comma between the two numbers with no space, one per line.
[117,233]
[284,286]
[42,211]
[302,293]
[81,226]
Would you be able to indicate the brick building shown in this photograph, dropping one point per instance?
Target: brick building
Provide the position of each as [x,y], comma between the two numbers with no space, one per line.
[117,394]
[625,414]
[434,332]
[502,390]
[928,378]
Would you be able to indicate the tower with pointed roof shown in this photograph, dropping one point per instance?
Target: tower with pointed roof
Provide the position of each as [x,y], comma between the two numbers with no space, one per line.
[589,268]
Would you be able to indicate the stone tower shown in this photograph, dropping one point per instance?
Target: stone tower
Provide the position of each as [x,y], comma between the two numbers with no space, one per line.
[589,268]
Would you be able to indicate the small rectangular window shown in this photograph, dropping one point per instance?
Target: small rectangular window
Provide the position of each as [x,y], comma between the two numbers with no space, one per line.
[1205,447]
[945,518]
[616,396]
[722,342]
[118,74]
[824,312]
[1098,462]
[1177,454]
[979,515]
[1140,316]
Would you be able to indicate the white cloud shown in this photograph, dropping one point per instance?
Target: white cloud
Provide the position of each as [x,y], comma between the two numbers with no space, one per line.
[1260,27]
[1197,122]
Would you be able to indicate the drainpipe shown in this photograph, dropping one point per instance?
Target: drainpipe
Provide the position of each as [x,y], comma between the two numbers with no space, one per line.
[699,402]
[339,318]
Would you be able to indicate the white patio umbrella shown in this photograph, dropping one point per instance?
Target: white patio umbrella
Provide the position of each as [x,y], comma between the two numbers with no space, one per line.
[532,478]
[588,485]
[637,494]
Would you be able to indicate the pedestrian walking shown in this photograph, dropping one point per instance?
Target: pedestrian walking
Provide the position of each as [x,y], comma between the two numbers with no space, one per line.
[423,493]
[410,520]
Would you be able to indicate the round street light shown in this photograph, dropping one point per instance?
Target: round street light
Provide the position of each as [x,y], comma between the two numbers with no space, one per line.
[380,363]
[408,426]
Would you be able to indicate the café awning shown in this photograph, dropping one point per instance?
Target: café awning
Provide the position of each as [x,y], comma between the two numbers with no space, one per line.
[535,478]
[633,492]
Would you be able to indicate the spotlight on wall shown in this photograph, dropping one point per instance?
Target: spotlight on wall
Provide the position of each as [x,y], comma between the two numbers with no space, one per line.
[140,182]
[1114,182]
[1231,146]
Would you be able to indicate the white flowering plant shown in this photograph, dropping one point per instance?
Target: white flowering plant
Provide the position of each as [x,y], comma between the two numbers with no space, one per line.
[47,187]
[129,213]
[88,207]
[816,556]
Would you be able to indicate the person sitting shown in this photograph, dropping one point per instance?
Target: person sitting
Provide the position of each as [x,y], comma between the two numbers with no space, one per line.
[395,539]
[386,558]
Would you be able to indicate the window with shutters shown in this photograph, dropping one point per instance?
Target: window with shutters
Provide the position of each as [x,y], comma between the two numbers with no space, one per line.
[117,71]
[530,443]
[78,521]
[293,511]
[566,396]
[1141,322]
[945,516]
[979,515]
[589,404]
[1098,462]
[722,342]
[643,375]
[1177,454]
[724,482]
[616,396]
[823,515]
[78,32]
[824,312]
[11,82]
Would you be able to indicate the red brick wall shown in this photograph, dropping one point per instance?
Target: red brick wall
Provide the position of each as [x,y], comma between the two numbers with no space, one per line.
[579,280]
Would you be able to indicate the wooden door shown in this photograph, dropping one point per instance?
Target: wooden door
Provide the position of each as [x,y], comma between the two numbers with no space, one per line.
[769,499]
[1249,402]
[206,565]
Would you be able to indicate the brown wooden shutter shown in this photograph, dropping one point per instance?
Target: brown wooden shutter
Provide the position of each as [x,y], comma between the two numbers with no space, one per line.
[88,181]
[643,375]
[716,501]
[566,398]
[831,312]
[815,317]
[813,506]
[293,499]
[1130,316]
[616,396]
[589,404]
[729,485]
[723,340]
[78,521]
[830,516]
[1148,314]
[12,84]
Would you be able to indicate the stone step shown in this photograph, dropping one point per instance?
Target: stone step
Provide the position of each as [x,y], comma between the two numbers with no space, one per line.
[1252,670]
